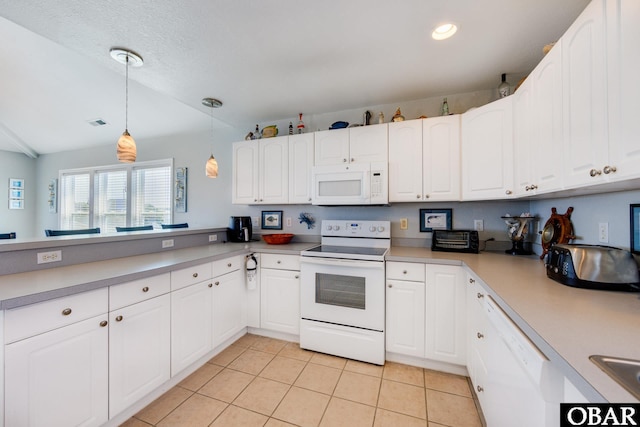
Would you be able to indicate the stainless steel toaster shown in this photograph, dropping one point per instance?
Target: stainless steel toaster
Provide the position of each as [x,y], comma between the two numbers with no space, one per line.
[593,267]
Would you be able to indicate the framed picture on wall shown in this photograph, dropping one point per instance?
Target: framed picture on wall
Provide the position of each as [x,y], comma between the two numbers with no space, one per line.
[634,227]
[272,220]
[435,219]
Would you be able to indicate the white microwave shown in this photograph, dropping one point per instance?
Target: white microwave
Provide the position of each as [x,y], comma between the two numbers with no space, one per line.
[351,184]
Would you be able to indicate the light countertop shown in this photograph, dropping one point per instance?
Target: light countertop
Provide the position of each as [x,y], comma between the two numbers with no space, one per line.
[567,324]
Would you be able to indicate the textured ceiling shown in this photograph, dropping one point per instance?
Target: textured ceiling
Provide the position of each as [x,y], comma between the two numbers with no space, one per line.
[266,60]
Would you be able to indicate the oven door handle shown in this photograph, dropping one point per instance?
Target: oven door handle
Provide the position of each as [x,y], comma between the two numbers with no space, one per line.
[343,262]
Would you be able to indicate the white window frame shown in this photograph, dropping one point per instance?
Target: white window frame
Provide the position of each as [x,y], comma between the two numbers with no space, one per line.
[128,167]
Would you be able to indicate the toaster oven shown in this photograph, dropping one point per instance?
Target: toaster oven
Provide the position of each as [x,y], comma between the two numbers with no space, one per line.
[455,241]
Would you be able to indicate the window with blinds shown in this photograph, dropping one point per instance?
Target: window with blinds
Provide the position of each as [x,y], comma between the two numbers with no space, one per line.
[116,196]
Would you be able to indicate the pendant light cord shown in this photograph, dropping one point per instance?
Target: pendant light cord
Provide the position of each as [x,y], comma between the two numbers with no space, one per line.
[212,130]
[126,96]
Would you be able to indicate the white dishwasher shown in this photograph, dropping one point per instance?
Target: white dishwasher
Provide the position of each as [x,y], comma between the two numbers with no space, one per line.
[526,389]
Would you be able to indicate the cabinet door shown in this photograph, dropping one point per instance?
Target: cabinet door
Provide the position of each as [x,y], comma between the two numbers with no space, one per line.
[546,155]
[487,151]
[300,167]
[445,314]
[59,378]
[523,138]
[274,170]
[332,147]
[368,144]
[229,306]
[139,351]
[191,324]
[584,97]
[245,172]
[440,158]
[280,300]
[405,161]
[624,88]
[405,320]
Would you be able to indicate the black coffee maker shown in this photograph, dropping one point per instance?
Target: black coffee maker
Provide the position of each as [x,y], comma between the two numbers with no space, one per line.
[240,229]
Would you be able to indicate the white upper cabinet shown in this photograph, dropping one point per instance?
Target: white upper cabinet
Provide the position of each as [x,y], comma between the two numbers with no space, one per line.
[487,151]
[405,161]
[424,160]
[362,144]
[440,158]
[261,171]
[523,139]
[623,60]
[584,97]
[300,166]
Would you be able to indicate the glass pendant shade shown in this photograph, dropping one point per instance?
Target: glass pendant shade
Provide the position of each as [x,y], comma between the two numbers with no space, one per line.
[126,148]
[212,167]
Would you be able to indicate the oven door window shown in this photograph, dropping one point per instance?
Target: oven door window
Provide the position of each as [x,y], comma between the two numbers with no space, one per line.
[343,291]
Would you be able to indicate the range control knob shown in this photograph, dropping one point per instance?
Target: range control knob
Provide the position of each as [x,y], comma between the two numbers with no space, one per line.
[329,227]
[372,228]
[380,228]
[336,227]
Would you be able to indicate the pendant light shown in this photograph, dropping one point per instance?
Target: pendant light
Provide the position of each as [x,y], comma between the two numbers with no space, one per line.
[126,150]
[212,163]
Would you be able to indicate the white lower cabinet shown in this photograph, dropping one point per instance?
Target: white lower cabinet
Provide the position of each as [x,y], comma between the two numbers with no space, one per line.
[59,378]
[445,314]
[426,315]
[229,306]
[280,293]
[139,351]
[191,324]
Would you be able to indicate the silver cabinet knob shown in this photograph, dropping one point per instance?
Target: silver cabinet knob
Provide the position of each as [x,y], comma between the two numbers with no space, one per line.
[480,389]
[297,276]
[278,262]
[471,281]
[479,295]
[145,289]
[119,319]
[103,323]
[390,285]
[426,196]
[210,285]
[534,187]
[417,196]
[353,160]
[229,265]
[66,312]
[344,160]
[479,335]
[217,283]
[609,169]
[404,271]
[195,275]
[594,172]
[508,192]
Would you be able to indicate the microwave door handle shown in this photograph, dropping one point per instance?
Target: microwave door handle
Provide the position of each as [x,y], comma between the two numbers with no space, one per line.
[342,262]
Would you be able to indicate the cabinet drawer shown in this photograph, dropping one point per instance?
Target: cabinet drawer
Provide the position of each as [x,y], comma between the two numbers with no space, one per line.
[138,290]
[280,262]
[190,276]
[33,319]
[411,271]
[227,265]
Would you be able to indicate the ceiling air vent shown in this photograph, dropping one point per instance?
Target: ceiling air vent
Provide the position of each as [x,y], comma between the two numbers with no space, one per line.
[97,122]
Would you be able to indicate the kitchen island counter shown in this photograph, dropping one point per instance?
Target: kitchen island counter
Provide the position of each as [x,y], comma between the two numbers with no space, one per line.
[567,324]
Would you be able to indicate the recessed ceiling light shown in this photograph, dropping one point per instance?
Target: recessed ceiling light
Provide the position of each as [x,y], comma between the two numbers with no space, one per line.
[444,31]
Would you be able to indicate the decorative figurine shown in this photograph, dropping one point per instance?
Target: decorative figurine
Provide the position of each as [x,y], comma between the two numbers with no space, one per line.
[397,117]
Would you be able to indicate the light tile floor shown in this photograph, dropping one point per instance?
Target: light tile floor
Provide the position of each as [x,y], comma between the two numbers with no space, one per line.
[260,381]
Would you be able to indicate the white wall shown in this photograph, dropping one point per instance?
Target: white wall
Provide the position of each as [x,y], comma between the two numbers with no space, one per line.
[20,221]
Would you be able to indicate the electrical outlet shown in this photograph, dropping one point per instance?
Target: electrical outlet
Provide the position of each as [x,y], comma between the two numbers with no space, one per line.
[404,223]
[167,243]
[53,256]
[289,222]
[478,224]
[255,222]
[213,237]
[603,232]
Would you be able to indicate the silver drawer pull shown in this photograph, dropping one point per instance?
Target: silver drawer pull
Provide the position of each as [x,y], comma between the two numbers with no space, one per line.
[119,319]
[145,289]
[608,169]
[66,312]
[229,265]
[594,172]
[103,323]
[195,275]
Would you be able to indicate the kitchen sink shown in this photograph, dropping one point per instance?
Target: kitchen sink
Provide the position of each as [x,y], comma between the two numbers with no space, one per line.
[625,372]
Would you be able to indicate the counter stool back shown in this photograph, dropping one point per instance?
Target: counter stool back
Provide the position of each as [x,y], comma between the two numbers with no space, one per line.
[51,233]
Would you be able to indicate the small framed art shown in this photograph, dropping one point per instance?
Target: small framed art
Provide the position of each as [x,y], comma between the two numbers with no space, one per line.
[435,219]
[272,220]
[634,228]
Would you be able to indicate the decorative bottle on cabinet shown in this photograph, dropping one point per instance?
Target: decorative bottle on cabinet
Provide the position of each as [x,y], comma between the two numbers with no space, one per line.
[290,128]
[445,108]
[504,89]
[300,124]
